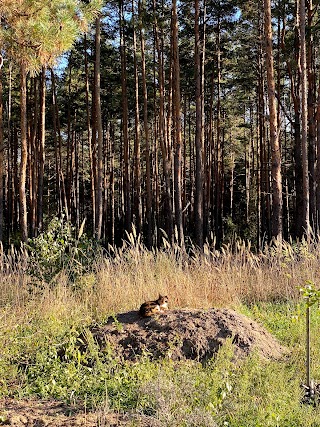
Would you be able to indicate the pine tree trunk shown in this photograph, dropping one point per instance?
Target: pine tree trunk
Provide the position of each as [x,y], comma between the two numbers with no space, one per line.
[55,140]
[137,166]
[219,179]
[16,181]
[311,100]
[126,160]
[98,131]
[9,202]
[112,186]
[89,136]
[274,136]
[318,161]
[198,208]
[304,120]
[42,149]
[24,154]
[1,153]
[57,147]
[209,209]
[177,126]
[166,157]
[294,85]
[262,177]
[33,108]
[69,172]
[146,134]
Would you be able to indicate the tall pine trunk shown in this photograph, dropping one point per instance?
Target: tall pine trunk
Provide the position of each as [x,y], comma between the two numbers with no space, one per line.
[125,121]
[166,156]
[97,129]
[1,153]
[42,148]
[219,178]
[304,120]
[137,166]
[61,195]
[311,100]
[146,133]
[198,208]
[177,126]
[24,154]
[89,136]
[274,136]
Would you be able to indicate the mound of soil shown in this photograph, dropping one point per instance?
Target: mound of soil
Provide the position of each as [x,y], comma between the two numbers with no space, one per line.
[185,334]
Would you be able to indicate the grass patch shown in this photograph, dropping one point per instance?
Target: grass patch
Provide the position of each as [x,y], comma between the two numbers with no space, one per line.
[41,353]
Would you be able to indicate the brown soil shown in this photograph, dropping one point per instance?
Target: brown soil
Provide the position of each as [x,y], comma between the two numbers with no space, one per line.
[186,334]
[178,334]
[31,413]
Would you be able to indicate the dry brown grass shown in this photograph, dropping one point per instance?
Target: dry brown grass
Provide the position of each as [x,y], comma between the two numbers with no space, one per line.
[132,274]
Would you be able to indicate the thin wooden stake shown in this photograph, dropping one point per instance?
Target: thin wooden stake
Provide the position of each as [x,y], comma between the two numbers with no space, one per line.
[308,347]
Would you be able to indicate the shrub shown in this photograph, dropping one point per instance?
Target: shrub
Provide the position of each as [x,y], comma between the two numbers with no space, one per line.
[60,250]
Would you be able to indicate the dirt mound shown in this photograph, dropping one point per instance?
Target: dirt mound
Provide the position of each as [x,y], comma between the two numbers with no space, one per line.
[186,334]
[31,413]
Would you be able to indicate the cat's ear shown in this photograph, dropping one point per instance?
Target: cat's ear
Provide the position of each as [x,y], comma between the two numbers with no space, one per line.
[160,296]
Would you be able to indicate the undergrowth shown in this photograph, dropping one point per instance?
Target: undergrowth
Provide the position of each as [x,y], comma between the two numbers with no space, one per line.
[43,318]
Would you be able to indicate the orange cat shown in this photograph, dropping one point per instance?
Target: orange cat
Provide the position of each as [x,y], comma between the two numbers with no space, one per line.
[150,308]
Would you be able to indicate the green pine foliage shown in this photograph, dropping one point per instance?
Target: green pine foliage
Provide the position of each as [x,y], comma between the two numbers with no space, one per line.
[37,32]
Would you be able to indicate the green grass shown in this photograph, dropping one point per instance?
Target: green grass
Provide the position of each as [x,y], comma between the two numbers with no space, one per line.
[247,393]
[40,323]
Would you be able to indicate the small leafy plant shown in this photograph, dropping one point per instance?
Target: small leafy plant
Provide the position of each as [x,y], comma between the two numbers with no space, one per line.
[312,296]
[310,293]
[61,249]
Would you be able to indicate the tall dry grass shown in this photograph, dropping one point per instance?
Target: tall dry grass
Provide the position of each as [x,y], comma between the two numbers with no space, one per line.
[127,276]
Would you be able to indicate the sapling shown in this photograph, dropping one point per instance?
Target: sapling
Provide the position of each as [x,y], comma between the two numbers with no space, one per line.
[312,297]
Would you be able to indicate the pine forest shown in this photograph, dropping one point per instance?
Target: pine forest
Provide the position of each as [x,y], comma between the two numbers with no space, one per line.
[196,121]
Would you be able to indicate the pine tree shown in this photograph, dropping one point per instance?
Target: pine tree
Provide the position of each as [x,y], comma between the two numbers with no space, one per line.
[33,35]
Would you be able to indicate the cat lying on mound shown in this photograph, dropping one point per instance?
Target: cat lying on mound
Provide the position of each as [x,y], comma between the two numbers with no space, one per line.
[150,308]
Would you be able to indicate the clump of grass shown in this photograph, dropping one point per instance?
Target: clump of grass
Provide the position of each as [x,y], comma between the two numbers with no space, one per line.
[125,276]
[234,275]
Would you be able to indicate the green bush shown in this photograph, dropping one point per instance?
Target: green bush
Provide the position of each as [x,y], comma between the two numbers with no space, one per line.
[60,250]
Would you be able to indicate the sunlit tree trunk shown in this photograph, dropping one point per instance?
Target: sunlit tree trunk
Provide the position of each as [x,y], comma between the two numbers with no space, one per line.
[304,120]
[198,208]
[274,136]
[219,179]
[33,154]
[42,138]
[165,150]
[311,100]
[57,148]
[89,136]
[146,133]
[126,161]
[177,126]
[1,153]
[24,153]
[318,161]
[97,128]
[137,166]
